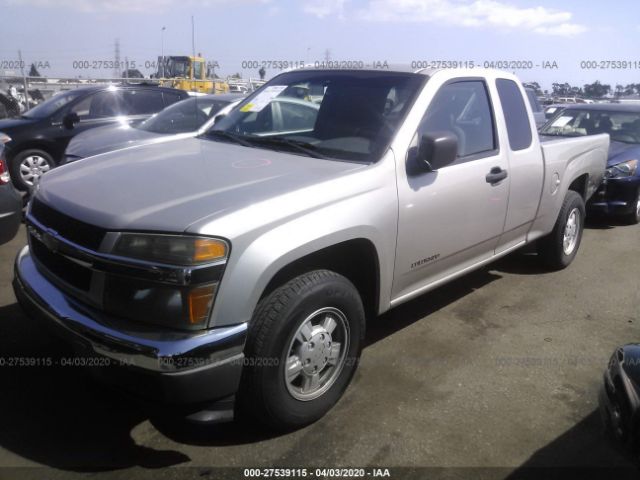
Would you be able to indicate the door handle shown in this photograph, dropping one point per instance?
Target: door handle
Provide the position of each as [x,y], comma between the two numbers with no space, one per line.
[496,175]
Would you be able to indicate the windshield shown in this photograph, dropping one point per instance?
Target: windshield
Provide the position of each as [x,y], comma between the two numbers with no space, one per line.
[49,107]
[185,116]
[328,114]
[621,126]
[177,67]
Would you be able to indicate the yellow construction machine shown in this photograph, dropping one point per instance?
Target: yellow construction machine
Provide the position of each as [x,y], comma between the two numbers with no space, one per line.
[190,73]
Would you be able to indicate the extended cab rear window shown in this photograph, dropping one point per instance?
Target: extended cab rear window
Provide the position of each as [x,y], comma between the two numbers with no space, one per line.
[515,114]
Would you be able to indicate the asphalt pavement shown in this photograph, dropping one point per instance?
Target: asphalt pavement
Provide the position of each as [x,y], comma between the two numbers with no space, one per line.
[498,371]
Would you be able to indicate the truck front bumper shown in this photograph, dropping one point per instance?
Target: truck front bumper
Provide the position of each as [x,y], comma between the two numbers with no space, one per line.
[173,367]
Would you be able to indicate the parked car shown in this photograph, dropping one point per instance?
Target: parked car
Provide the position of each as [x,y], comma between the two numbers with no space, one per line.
[553,109]
[180,120]
[40,136]
[573,100]
[10,200]
[536,108]
[619,398]
[243,263]
[619,194]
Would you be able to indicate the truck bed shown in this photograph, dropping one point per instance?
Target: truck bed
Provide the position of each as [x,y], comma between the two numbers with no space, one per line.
[569,158]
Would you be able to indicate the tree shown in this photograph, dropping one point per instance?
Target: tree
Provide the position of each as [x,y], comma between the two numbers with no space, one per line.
[596,89]
[575,91]
[632,88]
[619,90]
[561,89]
[535,86]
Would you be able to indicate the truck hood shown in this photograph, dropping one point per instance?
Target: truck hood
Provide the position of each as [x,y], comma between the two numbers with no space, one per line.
[169,186]
[108,138]
[621,152]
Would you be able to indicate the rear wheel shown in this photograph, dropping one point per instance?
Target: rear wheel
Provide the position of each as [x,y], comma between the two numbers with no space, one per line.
[28,166]
[302,351]
[559,248]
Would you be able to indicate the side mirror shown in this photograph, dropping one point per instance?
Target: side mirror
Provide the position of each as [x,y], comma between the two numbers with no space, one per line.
[70,119]
[437,150]
[217,118]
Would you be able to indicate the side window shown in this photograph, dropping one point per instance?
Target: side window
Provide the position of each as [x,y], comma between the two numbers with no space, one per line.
[170,98]
[515,114]
[533,100]
[462,108]
[197,70]
[102,104]
[297,117]
[141,102]
[258,122]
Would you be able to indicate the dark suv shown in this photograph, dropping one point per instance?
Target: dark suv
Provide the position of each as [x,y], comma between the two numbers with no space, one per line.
[40,136]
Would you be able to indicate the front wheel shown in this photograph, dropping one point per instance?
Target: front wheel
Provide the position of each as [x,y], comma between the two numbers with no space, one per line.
[28,166]
[302,351]
[559,248]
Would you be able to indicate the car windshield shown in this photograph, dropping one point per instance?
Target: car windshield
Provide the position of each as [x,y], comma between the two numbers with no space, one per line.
[49,107]
[621,126]
[185,116]
[350,115]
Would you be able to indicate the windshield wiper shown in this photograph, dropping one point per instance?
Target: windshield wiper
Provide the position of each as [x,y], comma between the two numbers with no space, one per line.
[303,147]
[230,136]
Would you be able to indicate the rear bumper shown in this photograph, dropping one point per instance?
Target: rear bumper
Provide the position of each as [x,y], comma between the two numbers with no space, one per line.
[158,365]
[10,212]
[616,197]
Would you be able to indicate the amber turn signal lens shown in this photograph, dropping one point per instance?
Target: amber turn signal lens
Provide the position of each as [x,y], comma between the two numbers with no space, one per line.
[200,301]
[207,250]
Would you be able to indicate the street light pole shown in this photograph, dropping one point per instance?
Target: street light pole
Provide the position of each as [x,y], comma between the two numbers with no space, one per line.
[162,50]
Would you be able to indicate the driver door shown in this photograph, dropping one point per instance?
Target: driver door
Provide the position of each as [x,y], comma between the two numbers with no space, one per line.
[452,218]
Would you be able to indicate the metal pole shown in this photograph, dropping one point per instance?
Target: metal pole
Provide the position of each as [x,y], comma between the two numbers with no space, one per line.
[24,81]
[162,50]
[193,48]
[193,38]
[126,69]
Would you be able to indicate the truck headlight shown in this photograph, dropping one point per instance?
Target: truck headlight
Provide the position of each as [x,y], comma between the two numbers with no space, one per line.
[171,249]
[181,307]
[181,295]
[623,170]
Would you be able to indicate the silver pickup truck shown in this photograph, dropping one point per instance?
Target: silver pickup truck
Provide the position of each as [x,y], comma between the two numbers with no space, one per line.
[234,272]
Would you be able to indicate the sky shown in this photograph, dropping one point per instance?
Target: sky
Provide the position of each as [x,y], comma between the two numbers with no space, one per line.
[73,37]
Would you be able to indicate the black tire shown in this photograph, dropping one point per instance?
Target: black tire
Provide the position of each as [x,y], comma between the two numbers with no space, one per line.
[264,393]
[634,217]
[18,158]
[551,248]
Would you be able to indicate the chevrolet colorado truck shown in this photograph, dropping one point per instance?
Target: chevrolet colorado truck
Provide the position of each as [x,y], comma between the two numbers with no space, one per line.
[235,271]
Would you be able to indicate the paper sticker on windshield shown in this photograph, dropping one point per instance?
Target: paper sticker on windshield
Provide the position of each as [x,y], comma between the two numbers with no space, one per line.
[561,121]
[263,98]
